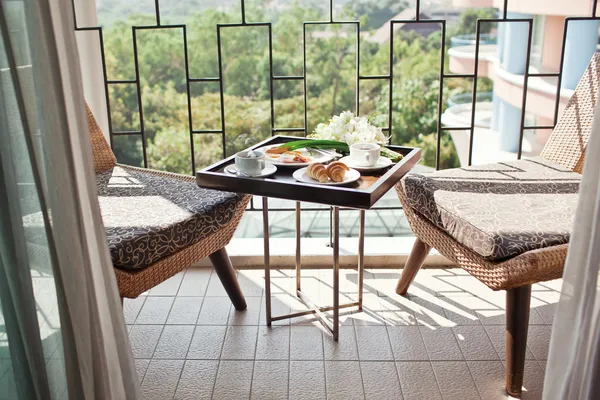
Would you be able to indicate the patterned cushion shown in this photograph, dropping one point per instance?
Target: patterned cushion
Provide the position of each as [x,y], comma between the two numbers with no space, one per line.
[499,210]
[149,217]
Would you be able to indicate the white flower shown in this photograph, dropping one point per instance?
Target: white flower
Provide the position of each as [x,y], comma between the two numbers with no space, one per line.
[350,129]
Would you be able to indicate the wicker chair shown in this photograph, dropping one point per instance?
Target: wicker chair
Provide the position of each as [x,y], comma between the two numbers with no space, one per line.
[530,249]
[160,223]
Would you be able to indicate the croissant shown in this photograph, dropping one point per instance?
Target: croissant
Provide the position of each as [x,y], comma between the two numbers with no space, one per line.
[317,172]
[337,170]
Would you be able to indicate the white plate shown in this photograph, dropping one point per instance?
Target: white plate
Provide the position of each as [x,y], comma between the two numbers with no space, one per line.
[382,162]
[316,156]
[269,169]
[351,176]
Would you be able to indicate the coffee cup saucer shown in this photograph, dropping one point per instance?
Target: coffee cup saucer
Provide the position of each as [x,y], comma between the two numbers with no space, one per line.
[268,170]
[382,162]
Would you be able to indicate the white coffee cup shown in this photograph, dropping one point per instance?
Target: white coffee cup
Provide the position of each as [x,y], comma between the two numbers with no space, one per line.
[364,154]
[250,162]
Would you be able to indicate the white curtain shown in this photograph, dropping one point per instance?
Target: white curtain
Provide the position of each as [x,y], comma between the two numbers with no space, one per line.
[573,368]
[42,74]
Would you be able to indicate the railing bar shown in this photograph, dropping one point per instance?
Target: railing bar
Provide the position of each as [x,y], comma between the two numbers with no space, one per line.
[358,68]
[331,11]
[291,77]
[221,94]
[505,10]
[440,97]
[271,85]
[544,75]
[139,95]
[561,66]
[455,128]
[525,84]
[121,81]
[538,127]
[106,91]
[189,100]
[374,77]
[243,10]
[391,86]
[288,129]
[206,131]
[150,27]
[210,79]
[474,95]
[157,12]
[304,74]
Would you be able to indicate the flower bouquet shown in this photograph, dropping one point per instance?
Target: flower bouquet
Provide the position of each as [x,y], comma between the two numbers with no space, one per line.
[341,132]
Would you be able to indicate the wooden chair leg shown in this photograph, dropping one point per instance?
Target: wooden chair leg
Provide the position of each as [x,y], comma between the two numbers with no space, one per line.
[517,324]
[220,260]
[412,266]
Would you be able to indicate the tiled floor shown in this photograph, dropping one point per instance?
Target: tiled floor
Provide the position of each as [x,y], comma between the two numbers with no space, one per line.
[445,341]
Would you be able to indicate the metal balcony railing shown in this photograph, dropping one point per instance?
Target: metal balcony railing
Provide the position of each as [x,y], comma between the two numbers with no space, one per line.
[477,40]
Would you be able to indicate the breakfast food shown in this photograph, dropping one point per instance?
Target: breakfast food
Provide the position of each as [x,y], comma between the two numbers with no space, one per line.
[317,172]
[337,170]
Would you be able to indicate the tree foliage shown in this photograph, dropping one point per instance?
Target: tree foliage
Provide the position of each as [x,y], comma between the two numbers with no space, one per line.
[331,82]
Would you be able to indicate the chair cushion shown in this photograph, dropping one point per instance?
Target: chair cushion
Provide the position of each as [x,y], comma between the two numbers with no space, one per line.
[148,217]
[499,210]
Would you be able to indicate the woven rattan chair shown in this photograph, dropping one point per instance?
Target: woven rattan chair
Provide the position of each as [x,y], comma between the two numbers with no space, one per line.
[159,223]
[521,248]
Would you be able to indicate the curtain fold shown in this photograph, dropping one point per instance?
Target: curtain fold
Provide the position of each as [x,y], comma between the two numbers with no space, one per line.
[64,229]
[574,359]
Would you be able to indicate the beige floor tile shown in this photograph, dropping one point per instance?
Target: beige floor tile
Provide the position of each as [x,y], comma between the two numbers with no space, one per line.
[251,283]
[215,287]
[474,343]
[428,311]
[132,307]
[161,379]
[174,342]
[195,282]
[214,311]
[497,335]
[234,379]
[380,380]
[197,380]
[407,343]
[306,343]
[440,343]
[185,311]
[170,287]
[240,343]
[538,341]
[270,380]
[143,339]
[343,380]
[533,381]
[418,380]
[345,348]
[141,365]
[273,343]
[307,380]
[155,310]
[373,343]
[249,316]
[454,380]
[207,343]
[489,377]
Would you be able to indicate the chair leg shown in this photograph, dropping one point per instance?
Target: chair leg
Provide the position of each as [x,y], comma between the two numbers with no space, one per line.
[222,264]
[412,266]
[517,324]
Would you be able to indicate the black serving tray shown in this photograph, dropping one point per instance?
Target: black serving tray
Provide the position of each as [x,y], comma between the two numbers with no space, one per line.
[363,193]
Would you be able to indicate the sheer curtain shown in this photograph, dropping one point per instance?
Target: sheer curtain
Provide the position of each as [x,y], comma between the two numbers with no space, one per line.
[63,331]
[573,368]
